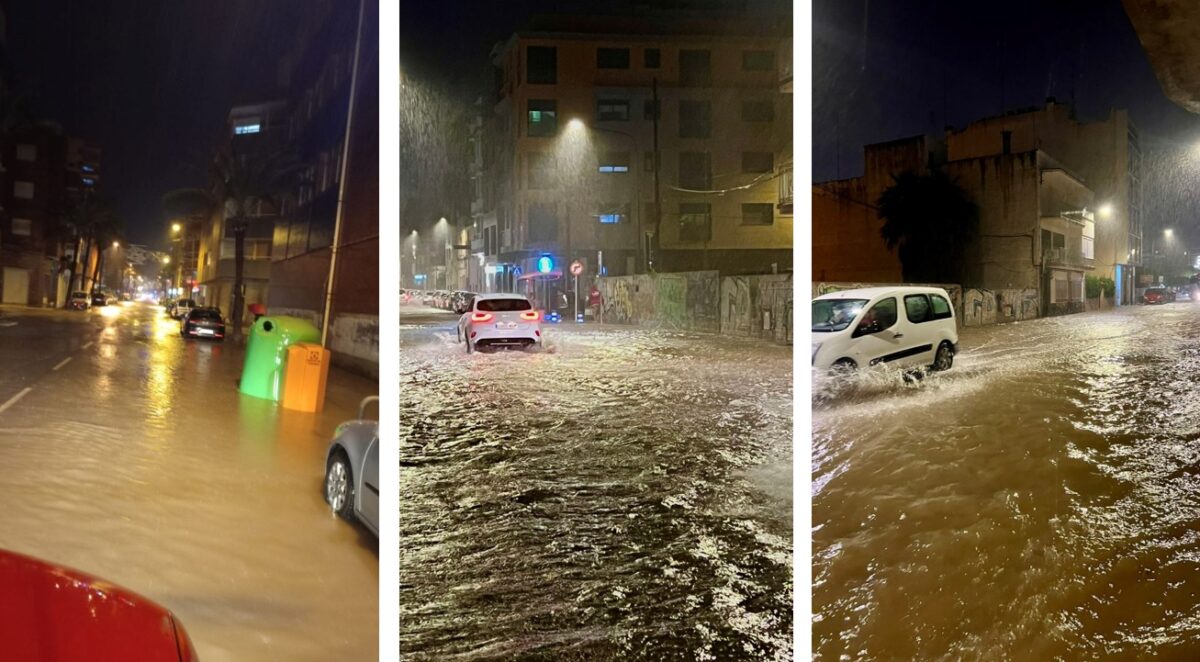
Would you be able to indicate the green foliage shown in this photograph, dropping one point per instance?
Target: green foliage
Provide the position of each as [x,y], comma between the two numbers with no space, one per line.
[1093,285]
[929,220]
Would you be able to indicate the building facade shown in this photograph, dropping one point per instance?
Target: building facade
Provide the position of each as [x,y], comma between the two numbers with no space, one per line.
[631,150]
[1105,155]
[254,128]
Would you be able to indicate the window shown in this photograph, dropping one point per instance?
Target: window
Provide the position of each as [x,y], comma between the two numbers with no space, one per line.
[88,181]
[504,305]
[613,213]
[651,109]
[652,58]
[87,168]
[695,171]
[695,119]
[541,171]
[612,110]
[881,316]
[23,190]
[916,307]
[27,152]
[541,64]
[1054,244]
[758,60]
[758,110]
[543,118]
[695,221]
[758,162]
[758,213]
[1089,240]
[543,223]
[22,227]
[244,129]
[941,307]
[614,162]
[695,68]
[612,58]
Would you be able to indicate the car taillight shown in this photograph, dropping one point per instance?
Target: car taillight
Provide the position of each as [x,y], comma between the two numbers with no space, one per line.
[481,317]
[530,315]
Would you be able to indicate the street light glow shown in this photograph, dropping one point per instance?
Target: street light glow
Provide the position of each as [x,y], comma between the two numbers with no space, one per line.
[116,244]
[1168,233]
[575,124]
[1105,210]
[175,227]
[167,259]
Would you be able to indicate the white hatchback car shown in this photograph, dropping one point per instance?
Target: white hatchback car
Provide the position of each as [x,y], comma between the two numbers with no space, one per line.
[908,327]
[500,320]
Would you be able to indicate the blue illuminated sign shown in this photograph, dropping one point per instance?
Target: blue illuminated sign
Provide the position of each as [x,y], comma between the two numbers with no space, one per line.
[545,264]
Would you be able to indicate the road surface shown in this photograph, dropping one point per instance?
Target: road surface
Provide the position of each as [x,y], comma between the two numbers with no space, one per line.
[1039,501]
[622,494]
[129,454]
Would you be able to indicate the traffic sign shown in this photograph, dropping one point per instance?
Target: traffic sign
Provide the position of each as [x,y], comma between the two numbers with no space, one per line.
[576,268]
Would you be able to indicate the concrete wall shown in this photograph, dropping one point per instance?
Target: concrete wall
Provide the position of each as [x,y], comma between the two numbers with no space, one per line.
[687,300]
[972,307]
[846,244]
[758,307]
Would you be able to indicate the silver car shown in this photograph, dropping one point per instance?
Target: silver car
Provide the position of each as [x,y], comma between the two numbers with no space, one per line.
[352,470]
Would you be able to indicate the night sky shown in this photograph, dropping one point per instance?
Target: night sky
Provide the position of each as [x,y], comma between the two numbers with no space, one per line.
[150,82]
[888,70]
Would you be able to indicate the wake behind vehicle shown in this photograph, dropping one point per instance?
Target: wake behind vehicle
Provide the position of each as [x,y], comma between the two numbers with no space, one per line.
[203,323]
[352,470]
[500,320]
[56,614]
[907,327]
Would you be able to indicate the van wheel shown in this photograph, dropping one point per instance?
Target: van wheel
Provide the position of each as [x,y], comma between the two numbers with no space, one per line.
[843,366]
[944,359]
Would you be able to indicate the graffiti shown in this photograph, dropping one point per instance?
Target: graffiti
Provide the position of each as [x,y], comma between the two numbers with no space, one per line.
[618,300]
[704,300]
[672,301]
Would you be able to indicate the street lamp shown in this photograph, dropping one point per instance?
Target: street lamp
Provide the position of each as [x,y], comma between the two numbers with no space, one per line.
[1105,210]
[175,227]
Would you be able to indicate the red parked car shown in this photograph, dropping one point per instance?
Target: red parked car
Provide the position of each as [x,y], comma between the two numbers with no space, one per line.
[1158,294]
[54,614]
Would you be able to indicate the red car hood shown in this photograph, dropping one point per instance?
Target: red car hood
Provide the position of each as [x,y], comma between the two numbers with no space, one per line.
[55,614]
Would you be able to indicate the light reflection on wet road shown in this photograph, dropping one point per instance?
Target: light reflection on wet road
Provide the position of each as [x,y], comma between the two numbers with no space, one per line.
[625,494]
[1040,501]
[138,461]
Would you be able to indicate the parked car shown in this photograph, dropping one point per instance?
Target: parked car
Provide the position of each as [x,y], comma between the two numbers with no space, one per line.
[1158,294]
[500,320]
[203,323]
[352,469]
[79,301]
[908,327]
[99,299]
[181,308]
[462,301]
[427,298]
[55,614]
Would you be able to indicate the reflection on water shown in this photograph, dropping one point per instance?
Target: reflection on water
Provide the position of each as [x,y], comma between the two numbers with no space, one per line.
[140,462]
[1039,501]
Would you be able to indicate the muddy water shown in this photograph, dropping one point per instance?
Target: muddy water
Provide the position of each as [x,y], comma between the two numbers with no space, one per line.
[138,462]
[1040,501]
[621,495]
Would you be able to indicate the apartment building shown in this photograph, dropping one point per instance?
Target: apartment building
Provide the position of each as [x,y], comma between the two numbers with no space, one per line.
[636,146]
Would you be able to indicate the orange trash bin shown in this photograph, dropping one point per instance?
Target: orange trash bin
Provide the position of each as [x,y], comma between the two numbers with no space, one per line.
[304,377]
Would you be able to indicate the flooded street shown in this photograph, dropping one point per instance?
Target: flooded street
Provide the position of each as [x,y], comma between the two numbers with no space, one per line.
[1039,501]
[622,494]
[129,454]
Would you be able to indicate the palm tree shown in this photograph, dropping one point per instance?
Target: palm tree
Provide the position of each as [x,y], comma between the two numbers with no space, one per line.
[89,220]
[929,220]
[243,183]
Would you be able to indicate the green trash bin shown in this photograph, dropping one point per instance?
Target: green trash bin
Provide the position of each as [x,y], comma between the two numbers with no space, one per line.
[266,353]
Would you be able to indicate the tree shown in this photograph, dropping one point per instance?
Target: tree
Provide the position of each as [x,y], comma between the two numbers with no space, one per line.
[90,221]
[243,183]
[928,220]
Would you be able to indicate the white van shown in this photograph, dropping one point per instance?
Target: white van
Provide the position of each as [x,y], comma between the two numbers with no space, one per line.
[907,327]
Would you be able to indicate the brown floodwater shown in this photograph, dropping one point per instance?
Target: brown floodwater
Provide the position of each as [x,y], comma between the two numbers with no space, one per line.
[1040,501]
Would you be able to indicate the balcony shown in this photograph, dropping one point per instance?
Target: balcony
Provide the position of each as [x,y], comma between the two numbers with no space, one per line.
[1067,258]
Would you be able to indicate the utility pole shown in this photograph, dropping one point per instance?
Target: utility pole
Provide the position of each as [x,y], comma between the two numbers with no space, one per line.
[656,244]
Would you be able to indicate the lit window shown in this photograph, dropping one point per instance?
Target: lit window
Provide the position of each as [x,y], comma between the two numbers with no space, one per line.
[88,181]
[244,129]
[543,117]
[612,214]
[614,162]
[88,168]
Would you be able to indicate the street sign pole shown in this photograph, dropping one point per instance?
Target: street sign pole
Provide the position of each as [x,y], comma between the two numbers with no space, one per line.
[576,297]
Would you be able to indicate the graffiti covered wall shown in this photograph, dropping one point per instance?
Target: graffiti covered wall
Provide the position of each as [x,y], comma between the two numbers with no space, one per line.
[973,307]
[685,301]
[757,306]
